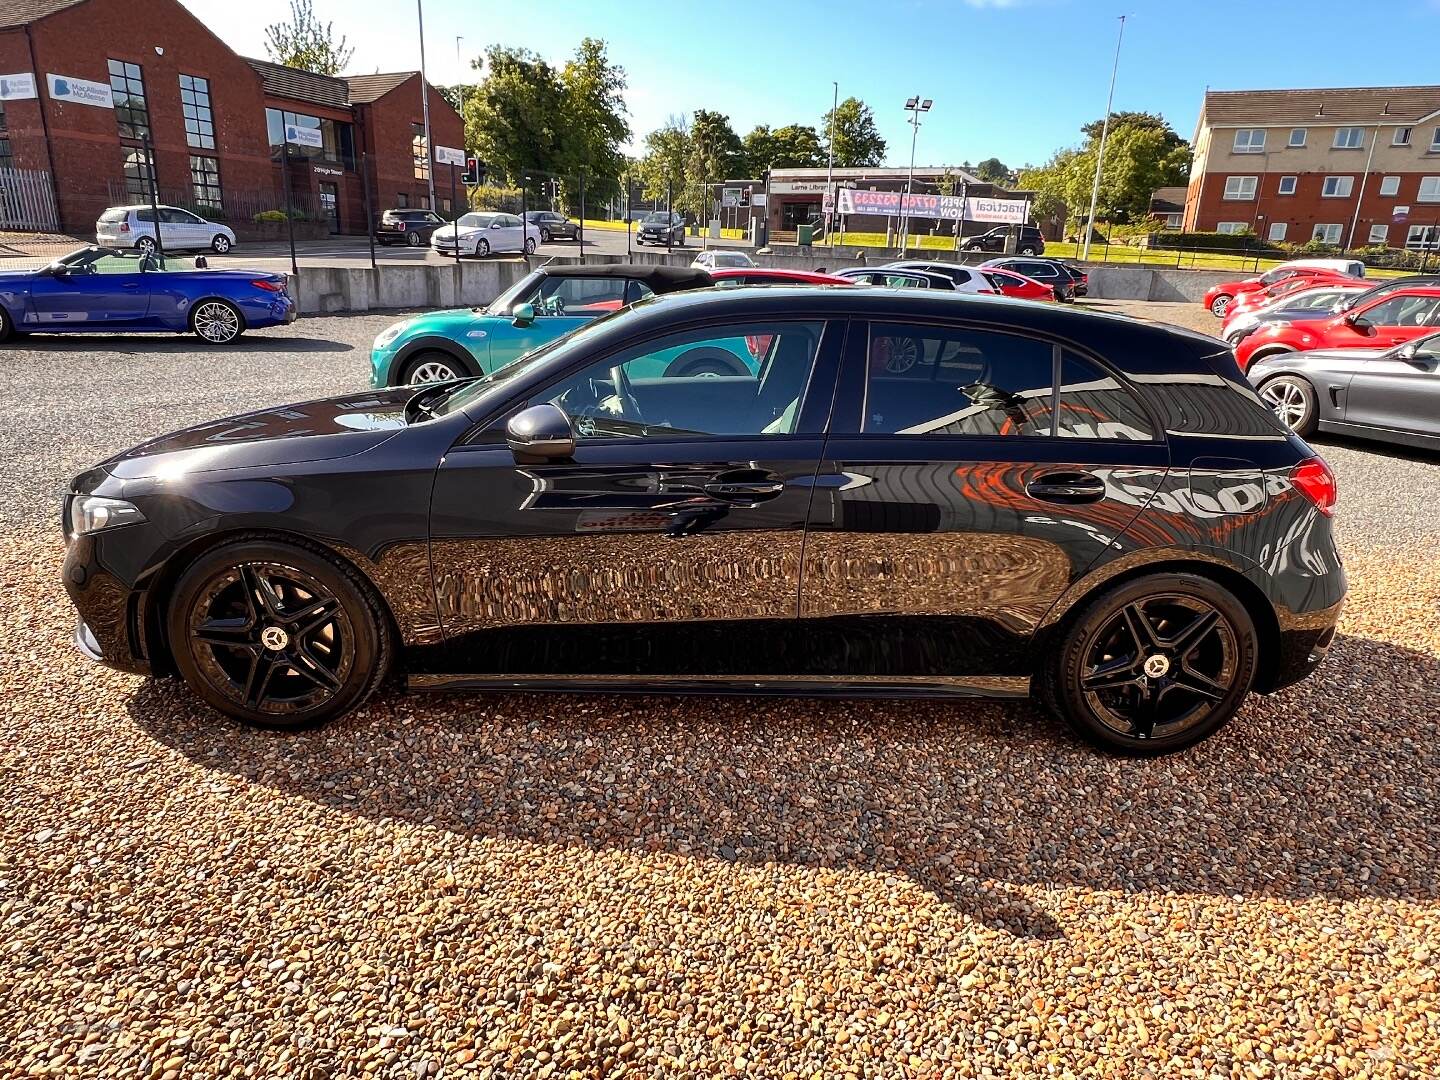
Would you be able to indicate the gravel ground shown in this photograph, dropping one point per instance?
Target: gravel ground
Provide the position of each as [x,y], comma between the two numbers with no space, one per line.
[522,885]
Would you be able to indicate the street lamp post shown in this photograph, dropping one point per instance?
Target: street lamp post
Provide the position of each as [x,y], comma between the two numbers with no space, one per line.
[915,106]
[1104,134]
[830,173]
[425,107]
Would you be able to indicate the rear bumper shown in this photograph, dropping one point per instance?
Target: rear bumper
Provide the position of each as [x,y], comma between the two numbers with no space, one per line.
[1303,647]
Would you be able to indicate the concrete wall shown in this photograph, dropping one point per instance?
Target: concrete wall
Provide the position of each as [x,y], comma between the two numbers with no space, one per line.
[412,286]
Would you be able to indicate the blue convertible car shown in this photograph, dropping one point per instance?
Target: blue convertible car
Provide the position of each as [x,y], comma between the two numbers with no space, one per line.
[110,290]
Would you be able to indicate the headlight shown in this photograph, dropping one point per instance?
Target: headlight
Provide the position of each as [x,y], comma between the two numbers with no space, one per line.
[390,333]
[91,513]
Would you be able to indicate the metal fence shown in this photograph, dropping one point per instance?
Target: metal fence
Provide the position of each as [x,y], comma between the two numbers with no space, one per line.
[27,201]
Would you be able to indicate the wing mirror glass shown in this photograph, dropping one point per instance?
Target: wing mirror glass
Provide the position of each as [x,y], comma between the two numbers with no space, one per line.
[541,431]
[522,315]
[1357,321]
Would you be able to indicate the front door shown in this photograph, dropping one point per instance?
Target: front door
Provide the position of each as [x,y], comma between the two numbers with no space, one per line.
[955,503]
[1397,391]
[668,547]
[563,303]
[110,290]
[330,206]
[1393,320]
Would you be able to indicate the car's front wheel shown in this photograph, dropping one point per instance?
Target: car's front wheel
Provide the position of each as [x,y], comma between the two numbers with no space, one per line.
[544,236]
[1293,400]
[278,635]
[529,245]
[1153,665]
[221,244]
[1028,250]
[145,244]
[482,247]
[432,367]
[216,321]
[1220,305]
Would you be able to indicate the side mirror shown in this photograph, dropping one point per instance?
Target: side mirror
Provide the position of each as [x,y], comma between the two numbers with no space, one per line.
[541,431]
[1358,322]
[522,315]
[497,225]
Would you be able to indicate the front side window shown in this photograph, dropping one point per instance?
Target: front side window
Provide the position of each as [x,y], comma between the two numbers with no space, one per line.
[577,295]
[1240,187]
[1250,141]
[1337,187]
[127,86]
[195,104]
[1349,138]
[1287,185]
[744,379]
[1326,234]
[1429,189]
[205,181]
[1403,311]
[1390,185]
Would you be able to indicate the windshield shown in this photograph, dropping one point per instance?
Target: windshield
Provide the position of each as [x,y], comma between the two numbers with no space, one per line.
[478,221]
[507,300]
[659,219]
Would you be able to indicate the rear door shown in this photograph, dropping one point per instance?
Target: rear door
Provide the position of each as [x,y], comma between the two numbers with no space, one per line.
[960,495]
[1398,392]
[668,547]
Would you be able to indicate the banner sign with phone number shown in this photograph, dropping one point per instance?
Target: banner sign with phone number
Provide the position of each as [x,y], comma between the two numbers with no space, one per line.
[943,207]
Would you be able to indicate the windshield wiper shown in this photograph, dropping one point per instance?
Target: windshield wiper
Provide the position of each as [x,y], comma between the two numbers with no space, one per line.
[427,399]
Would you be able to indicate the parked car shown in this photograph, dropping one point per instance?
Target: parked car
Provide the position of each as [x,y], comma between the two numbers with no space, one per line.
[966,278]
[764,275]
[1256,299]
[1050,272]
[544,305]
[1305,304]
[1029,242]
[721,259]
[564,524]
[409,227]
[662,227]
[897,279]
[180,230]
[110,290]
[1218,297]
[1392,395]
[482,234]
[1009,283]
[553,226]
[1382,322]
[1079,276]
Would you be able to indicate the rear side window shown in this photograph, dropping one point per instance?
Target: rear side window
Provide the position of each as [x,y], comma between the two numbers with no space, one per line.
[1094,405]
[114,215]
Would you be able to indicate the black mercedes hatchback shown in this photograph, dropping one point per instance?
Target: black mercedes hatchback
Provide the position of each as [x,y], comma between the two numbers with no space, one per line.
[905,494]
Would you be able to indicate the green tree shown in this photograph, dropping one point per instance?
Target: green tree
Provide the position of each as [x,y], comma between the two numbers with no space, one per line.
[595,124]
[715,153]
[993,171]
[304,43]
[667,153]
[794,146]
[857,140]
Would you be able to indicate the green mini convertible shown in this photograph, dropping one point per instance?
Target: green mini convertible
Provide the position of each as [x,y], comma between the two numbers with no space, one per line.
[546,304]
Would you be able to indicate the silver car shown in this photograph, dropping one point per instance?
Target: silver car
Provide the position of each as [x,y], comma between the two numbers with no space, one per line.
[1392,395]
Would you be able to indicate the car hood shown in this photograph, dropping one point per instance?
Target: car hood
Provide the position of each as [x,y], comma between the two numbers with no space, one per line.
[285,435]
[451,230]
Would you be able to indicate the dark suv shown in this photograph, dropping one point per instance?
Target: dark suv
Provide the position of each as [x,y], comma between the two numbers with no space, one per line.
[1029,243]
[409,227]
[662,228]
[905,493]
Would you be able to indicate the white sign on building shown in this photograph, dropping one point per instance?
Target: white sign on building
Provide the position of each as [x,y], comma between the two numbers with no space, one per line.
[303,136]
[67,88]
[448,155]
[18,86]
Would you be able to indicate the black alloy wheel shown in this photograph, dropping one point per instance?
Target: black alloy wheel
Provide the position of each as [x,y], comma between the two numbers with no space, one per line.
[277,635]
[1154,665]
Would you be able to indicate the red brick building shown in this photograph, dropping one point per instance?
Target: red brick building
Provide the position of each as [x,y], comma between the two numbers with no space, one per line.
[82,81]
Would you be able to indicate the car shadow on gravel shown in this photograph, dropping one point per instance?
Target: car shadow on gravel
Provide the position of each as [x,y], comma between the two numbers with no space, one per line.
[170,343]
[1322,791]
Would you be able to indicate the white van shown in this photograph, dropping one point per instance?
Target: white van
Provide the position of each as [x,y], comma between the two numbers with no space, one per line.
[1353,267]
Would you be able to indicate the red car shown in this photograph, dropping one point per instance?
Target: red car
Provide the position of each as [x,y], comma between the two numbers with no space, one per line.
[1218,297]
[764,275]
[1271,294]
[1380,323]
[1009,283]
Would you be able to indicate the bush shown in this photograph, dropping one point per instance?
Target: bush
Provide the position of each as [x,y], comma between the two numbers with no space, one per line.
[269,215]
[1211,241]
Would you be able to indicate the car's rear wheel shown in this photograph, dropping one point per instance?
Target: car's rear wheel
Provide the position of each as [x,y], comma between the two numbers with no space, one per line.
[1293,400]
[278,635]
[7,328]
[145,244]
[544,236]
[412,238]
[705,361]
[216,321]
[431,367]
[482,247]
[529,245]
[1153,665]
[1220,305]
[1028,250]
[221,244]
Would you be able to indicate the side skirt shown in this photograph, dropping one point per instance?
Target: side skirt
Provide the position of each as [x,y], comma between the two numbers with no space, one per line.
[1002,687]
[1379,434]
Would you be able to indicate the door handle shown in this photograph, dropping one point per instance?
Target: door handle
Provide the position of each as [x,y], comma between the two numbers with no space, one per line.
[1066,487]
[744,490]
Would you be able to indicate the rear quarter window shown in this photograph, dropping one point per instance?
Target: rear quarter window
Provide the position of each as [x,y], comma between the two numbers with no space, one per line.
[114,215]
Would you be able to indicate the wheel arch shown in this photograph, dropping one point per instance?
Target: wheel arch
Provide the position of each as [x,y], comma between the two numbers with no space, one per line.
[432,343]
[161,587]
[234,304]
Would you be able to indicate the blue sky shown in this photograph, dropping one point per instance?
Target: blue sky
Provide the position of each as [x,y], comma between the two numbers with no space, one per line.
[1010,78]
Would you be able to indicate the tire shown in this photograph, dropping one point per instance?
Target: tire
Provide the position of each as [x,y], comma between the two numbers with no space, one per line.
[1028,250]
[482,247]
[145,244]
[412,239]
[1261,354]
[1098,646]
[705,361]
[529,245]
[680,240]
[430,366]
[216,322]
[544,236]
[7,326]
[221,244]
[1219,305]
[241,668]
[1293,400]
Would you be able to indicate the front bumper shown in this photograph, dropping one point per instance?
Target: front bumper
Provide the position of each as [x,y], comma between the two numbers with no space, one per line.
[110,625]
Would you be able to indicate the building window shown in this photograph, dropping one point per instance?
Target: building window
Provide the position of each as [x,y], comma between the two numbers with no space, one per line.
[1435,141]
[1232,227]
[1297,137]
[1249,141]
[1423,237]
[7,159]
[1287,185]
[1277,231]
[195,104]
[1401,136]
[1240,187]
[127,85]
[137,174]
[205,181]
[420,151]
[1337,187]
[402,199]
[1379,233]
[1429,189]
[1174,221]
[1390,185]
[337,139]
[1349,138]
[1326,234]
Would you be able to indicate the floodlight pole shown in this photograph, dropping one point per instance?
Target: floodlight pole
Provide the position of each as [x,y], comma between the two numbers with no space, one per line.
[1104,134]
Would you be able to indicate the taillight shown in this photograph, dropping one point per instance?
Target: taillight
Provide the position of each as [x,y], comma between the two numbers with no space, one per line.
[1313,479]
[268,286]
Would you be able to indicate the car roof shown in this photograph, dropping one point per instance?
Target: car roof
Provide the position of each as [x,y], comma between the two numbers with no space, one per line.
[658,277]
[725,273]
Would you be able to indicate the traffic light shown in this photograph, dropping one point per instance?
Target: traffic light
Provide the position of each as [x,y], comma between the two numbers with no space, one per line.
[474,174]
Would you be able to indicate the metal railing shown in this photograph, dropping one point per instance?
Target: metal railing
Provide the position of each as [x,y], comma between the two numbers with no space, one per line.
[27,201]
